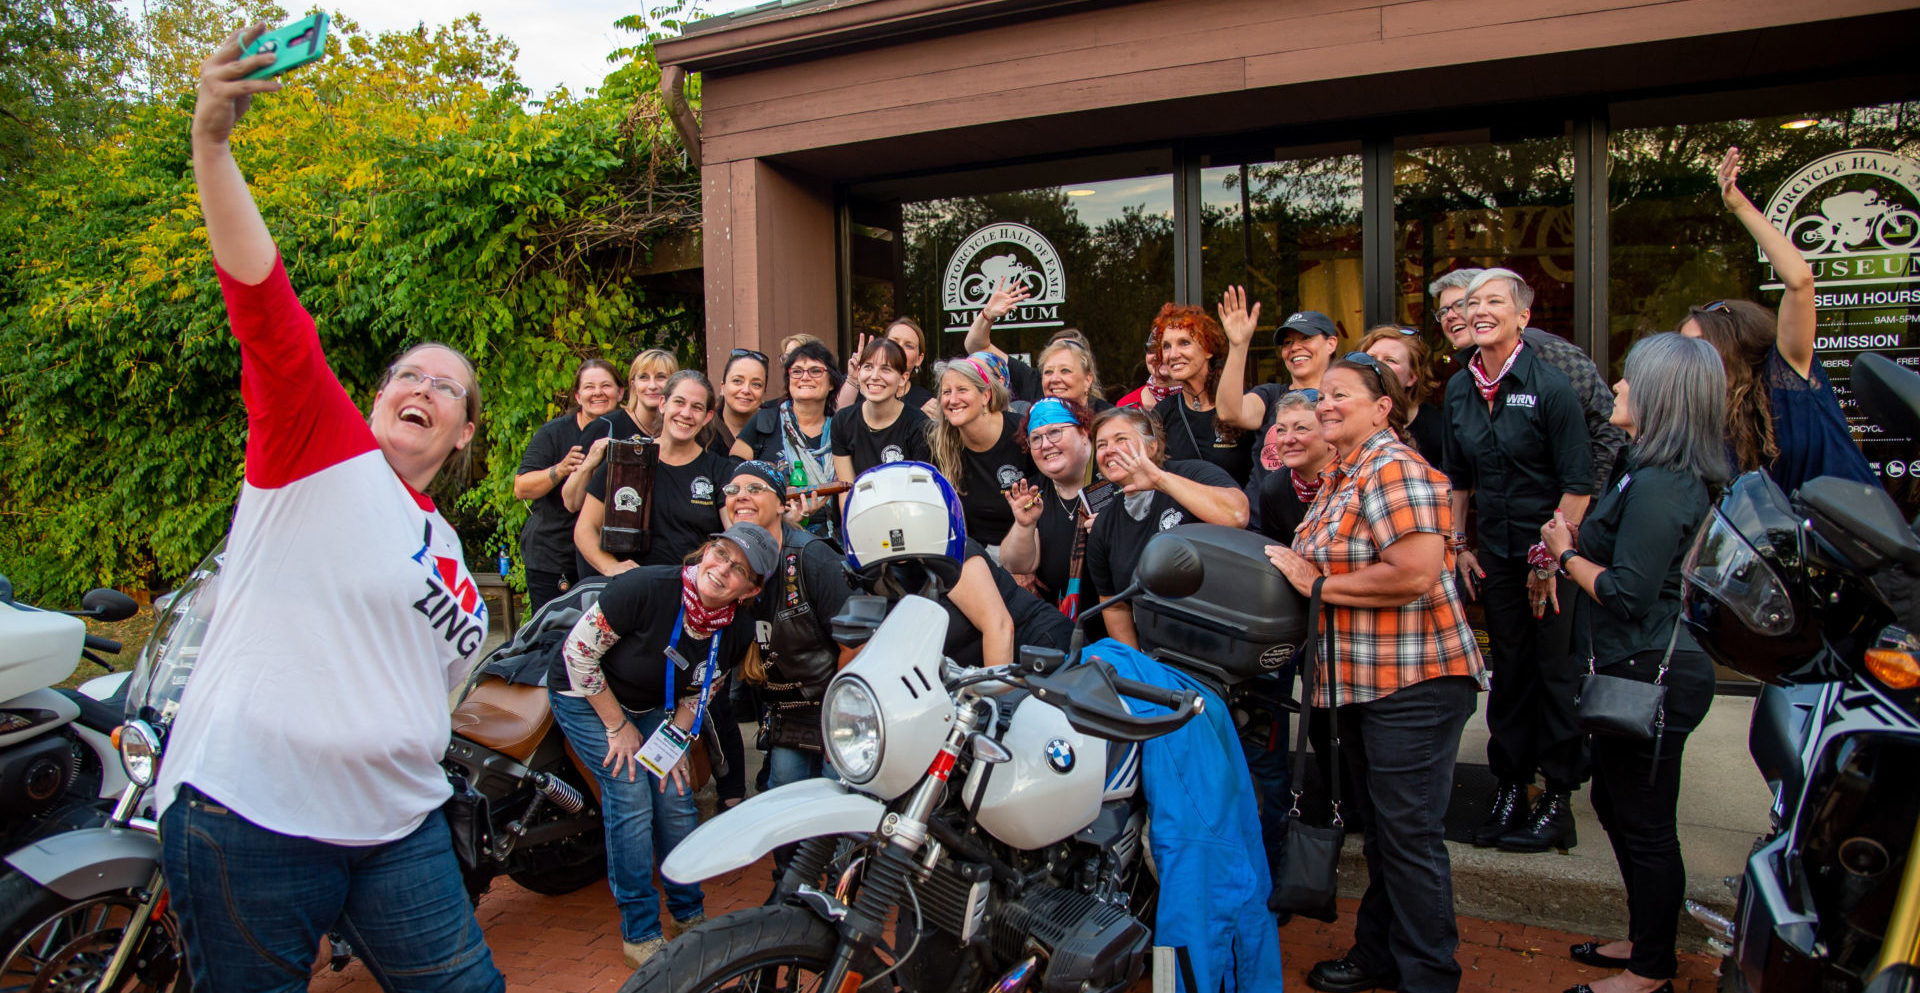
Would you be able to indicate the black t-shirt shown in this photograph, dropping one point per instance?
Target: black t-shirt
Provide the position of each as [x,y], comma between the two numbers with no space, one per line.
[643,607]
[1023,381]
[904,439]
[686,507]
[1281,509]
[985,474]
[546,542]
[1035,622]
[1429,431]
[1056,535]
[1114,547]
[917,396]
[1191,434]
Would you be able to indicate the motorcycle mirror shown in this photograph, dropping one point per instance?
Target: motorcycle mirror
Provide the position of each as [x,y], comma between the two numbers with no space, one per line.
[108,605]
[1888,392]
[1170,567]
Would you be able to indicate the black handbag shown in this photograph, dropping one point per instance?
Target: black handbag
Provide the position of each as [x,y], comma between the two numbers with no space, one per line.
[1627,708]
[1309,877]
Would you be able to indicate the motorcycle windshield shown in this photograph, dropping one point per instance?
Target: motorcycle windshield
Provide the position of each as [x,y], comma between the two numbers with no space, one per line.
[1724,565]
[167,659]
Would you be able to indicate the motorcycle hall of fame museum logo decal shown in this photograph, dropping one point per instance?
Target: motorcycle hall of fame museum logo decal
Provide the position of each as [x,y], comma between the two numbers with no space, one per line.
[1008,253]
[1855,215]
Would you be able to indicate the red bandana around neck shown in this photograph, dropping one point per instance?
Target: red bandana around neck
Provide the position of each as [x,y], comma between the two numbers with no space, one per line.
[1489,385]
[1160,393]
[701,622]
[1306,489]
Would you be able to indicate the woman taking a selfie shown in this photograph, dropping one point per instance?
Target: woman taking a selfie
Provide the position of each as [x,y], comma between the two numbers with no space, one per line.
[302,789]
[1672,402]
[617,684]
[686,486]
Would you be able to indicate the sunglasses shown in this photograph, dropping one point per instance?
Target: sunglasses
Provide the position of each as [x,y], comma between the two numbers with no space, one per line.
[748,353]
[751,489]
[1716,307]
[1362,358]
[1312,395]
[1407,331]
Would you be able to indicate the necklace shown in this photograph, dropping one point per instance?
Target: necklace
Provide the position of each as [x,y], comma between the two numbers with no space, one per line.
[1067,504]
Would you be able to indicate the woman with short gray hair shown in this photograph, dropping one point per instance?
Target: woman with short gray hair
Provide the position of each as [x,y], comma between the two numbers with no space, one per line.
[1672,401]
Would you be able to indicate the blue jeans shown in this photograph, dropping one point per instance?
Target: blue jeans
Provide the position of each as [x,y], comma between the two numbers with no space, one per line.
[254,904]
[640,820]
[1265,744]
[793,765]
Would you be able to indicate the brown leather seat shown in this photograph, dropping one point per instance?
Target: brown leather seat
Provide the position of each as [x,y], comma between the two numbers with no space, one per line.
[508,718]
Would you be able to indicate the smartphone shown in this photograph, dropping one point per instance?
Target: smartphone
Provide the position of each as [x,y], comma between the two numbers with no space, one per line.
[294,44]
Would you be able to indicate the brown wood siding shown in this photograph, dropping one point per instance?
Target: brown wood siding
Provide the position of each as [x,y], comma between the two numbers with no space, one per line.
[767,248]
[1138,53]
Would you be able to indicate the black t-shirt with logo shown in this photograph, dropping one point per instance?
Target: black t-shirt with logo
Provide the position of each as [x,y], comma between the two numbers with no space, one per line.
[643,606]
[986,474]
[546,542]
[1191,434]
[1055,530]
[903,440]
[686,506]
[1114,547]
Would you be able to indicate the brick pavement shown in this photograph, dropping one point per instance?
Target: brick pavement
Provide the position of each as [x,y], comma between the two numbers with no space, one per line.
[571,944]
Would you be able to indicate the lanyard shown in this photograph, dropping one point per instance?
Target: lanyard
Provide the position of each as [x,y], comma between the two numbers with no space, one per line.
[706,672]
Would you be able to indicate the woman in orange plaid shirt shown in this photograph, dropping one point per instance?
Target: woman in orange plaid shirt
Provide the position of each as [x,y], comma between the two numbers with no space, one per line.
[1405,671]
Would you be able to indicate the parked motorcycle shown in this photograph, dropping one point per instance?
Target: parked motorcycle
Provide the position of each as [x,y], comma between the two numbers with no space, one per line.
[57,764]
[87,908]
[1033,867]
[1819,598]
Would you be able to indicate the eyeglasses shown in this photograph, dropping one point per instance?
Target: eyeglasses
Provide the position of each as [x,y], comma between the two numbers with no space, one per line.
[748,353]
[412,378]
[1362,358]
[1459,305]
[751,489]
[1049,436]
[807,371]
[734,565]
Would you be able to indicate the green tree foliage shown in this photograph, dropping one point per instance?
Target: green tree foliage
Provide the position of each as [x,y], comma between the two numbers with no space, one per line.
[413,196]
[61,64]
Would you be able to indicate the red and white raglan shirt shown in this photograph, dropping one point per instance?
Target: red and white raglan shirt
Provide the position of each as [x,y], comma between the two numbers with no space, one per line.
[346,615]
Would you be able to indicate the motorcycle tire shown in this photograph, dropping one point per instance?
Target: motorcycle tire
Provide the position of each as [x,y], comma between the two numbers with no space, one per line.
[779,947]
[50,942]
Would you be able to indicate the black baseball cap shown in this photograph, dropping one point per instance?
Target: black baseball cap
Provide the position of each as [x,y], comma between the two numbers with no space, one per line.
[1305,322]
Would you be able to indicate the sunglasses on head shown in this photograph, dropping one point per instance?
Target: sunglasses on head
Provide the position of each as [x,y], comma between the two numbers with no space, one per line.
[1407,331]
[1312,395]
[1716,307]
[1362,358]
[748,353]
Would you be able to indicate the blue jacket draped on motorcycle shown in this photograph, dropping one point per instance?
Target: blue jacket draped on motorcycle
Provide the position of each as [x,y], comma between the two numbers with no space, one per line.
[1206,838]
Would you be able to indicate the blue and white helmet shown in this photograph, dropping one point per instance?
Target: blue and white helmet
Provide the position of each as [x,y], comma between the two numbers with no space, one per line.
[903,512]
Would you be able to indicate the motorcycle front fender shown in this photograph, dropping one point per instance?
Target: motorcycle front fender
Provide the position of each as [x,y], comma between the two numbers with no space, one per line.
[85,863]
[794,812]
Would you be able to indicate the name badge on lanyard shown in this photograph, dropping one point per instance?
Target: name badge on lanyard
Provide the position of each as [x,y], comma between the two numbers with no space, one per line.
[668,744]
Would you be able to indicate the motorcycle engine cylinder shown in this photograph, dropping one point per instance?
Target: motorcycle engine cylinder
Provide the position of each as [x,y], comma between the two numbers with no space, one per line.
[1090,945]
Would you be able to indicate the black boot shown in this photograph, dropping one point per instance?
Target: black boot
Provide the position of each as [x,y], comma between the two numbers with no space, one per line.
[1549,826]
[1509,814]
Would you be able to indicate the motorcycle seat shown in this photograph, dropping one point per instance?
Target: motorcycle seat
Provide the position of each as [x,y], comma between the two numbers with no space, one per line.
[507,717]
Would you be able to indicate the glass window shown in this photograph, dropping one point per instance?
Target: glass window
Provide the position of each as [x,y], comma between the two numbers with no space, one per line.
[1289,231]
[1096,256]
[1463,201]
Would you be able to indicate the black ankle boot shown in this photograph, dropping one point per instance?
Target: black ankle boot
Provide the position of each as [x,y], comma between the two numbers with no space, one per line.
[1550,825]
[1509,814]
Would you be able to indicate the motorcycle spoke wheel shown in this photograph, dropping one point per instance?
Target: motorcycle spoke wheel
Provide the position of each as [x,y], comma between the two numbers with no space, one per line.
[777,949]
[66,950]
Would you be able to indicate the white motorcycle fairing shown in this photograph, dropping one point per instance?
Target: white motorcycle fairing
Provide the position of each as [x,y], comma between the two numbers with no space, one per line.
[794,812]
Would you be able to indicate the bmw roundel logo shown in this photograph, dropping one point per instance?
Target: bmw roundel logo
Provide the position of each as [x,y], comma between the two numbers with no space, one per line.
[1060,755]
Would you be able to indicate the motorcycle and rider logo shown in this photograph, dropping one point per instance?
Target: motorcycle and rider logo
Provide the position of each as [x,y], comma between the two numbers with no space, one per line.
[1008,254]
[626,498]
[1855,215]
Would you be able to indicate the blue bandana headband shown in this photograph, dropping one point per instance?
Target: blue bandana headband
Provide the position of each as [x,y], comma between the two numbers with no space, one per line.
[1047,412]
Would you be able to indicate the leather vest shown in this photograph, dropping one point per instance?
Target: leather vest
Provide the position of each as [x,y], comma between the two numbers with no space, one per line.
[800,658]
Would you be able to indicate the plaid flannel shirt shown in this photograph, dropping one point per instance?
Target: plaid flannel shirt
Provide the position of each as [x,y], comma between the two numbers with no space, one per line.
[1381,493]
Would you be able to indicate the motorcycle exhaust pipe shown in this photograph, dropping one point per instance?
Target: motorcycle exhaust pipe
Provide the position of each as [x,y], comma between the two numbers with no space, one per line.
[1718,925]
[558,792]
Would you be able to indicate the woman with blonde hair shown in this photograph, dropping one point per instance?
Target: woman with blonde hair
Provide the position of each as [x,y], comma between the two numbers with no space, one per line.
[1067,371]
[979,445]
[647,377]
[1405,355]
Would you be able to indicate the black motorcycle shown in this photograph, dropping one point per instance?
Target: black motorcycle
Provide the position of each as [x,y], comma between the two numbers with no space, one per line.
[1818,597]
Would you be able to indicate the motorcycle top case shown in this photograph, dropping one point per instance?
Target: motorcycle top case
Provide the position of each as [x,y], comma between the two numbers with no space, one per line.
[1244,621]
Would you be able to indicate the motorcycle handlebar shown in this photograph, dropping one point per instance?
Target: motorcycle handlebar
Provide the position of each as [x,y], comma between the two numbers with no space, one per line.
[99,644]
[1171,699]
[1089,695]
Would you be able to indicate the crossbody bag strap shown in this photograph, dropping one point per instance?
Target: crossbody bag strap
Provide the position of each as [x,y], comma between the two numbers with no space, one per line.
[1332,678]
[1660,714]
[1306,666]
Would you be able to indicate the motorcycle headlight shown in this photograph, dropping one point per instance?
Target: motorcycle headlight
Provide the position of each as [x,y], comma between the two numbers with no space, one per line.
[855,736]
[139,751]
[1724,565]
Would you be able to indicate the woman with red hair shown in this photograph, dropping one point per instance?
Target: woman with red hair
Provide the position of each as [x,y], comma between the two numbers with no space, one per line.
[1192,347]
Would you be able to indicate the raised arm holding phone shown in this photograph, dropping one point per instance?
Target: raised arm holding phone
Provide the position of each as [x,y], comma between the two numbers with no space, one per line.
[302,789]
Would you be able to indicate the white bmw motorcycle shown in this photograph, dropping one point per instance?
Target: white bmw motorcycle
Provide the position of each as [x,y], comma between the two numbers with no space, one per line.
[988,834]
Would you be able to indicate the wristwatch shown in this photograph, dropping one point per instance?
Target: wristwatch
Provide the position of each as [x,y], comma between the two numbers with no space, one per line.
[1564,556]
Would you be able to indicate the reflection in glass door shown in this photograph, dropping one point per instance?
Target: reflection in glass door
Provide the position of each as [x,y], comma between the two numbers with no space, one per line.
[1473,203]
[1289,231]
